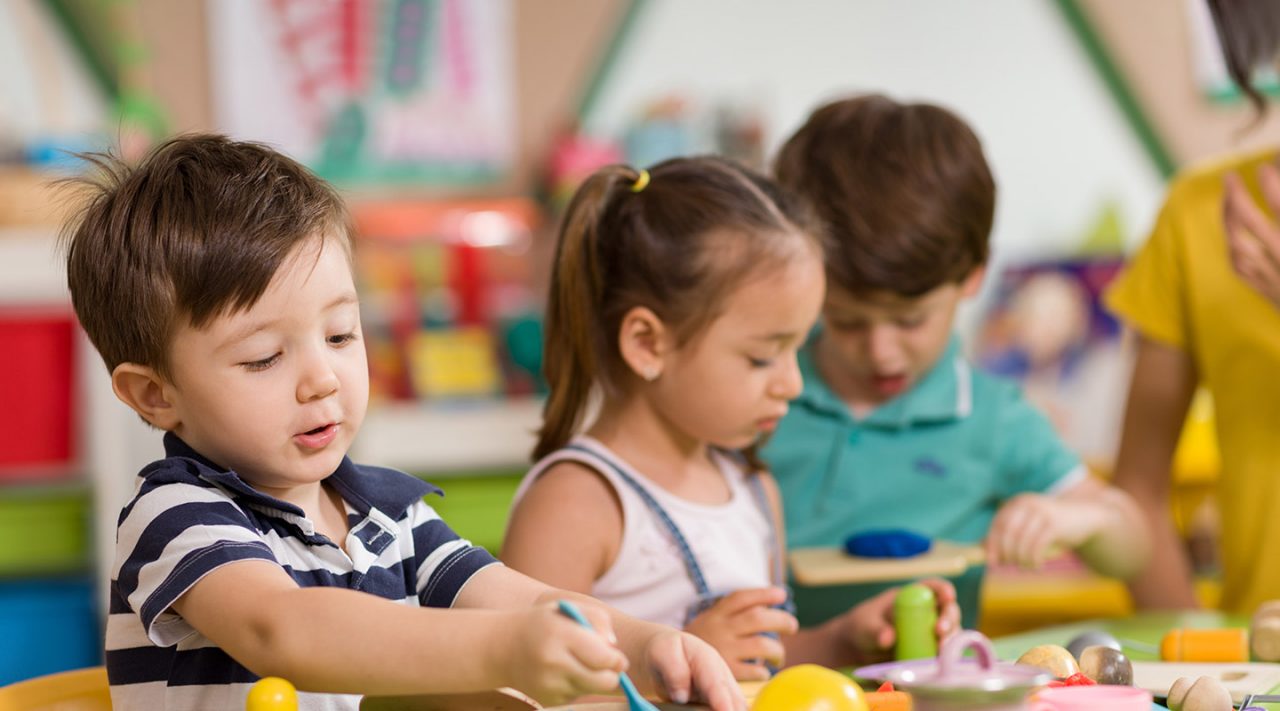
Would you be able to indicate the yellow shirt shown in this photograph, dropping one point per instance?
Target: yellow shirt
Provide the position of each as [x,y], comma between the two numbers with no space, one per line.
[1180,290]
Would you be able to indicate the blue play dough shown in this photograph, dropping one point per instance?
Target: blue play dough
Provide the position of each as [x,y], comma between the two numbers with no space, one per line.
[890,543]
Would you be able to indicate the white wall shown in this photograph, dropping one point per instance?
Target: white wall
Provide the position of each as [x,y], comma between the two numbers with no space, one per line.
[1012,68]
[44,92]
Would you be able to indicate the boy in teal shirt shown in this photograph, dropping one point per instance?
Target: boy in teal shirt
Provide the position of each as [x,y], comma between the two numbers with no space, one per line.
[894,428]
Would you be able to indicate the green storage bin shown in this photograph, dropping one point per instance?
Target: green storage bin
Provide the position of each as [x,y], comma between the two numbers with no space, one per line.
[476,506]
[44,531]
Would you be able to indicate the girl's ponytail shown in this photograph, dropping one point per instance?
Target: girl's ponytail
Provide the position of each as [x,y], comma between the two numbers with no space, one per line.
[571,360]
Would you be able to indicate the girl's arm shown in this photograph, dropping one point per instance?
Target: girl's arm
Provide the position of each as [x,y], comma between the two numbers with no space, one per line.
[660,658]
[865,633]
[830,644]
[545,534]
[1164,381]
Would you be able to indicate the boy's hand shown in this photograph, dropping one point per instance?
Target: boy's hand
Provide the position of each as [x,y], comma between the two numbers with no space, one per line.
[734,626]
[868,627]
[687,669]
[1253,237]
[1030,528]
[554,659]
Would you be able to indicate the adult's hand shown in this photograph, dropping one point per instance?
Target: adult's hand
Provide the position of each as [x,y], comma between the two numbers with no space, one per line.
[1253,236]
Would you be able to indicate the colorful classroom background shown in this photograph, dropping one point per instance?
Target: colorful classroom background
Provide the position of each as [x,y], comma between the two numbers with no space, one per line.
[457,129]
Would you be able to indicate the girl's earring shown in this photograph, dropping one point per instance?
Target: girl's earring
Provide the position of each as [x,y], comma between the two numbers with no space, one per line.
[650,373]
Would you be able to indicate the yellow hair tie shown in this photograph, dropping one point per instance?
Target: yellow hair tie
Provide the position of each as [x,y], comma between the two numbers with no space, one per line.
[642,182]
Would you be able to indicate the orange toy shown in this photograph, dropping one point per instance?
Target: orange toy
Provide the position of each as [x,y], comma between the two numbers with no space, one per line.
[888,701]
[1194,645]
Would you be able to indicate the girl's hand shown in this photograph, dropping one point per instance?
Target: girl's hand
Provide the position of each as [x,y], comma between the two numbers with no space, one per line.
[1031,528]
[554,659]
[868,628]
[733,626]
[687,669]
[1253,237]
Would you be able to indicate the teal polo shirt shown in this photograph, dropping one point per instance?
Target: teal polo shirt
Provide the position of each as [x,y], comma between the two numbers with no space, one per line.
[938,459]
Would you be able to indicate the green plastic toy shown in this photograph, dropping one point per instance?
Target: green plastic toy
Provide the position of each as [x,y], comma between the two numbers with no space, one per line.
[915,615]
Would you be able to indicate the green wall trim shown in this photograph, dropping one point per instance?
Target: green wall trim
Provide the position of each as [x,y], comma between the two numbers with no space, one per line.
[610,57]
[1118,87]
[97,57]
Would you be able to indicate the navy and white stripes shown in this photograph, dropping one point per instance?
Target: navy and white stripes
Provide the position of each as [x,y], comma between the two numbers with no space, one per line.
[188,517]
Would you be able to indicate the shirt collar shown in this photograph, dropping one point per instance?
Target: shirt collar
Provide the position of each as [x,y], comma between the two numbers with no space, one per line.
[944,394]
[364,487]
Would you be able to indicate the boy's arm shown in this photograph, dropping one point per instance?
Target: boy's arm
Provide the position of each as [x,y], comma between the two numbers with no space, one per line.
[687,667]
[337,640]
[1050,501]
[1101,523]
[1164,381]
[1112,534]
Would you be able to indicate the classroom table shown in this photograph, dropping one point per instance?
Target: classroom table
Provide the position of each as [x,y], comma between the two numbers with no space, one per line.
[1146,628]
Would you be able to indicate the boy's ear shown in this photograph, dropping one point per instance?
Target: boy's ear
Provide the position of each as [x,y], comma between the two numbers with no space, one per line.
[142,389]
[642,341]
[973,283]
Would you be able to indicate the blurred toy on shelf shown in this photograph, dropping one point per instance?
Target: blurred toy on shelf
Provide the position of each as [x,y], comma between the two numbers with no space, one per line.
[37,439]
[573,157]
[672,126]
[450,307]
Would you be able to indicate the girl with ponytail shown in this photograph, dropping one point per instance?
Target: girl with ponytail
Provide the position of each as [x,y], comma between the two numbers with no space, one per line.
[679,298]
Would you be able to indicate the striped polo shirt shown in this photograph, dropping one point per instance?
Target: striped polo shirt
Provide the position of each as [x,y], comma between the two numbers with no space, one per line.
[188,516]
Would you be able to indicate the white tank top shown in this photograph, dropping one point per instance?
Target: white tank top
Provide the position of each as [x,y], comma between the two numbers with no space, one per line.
[733,543]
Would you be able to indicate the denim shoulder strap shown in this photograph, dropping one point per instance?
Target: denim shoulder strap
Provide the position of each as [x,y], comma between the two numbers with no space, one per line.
[690,562]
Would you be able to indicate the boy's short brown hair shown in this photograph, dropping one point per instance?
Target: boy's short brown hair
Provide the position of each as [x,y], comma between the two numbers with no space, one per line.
[194,231]
[904,190]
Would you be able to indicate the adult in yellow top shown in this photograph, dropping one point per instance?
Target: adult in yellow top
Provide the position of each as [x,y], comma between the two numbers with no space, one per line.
[1198,321]
[1203,296]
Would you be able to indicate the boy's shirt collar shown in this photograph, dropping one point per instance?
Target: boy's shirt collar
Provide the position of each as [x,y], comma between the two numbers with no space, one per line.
[944,394]
[390,495]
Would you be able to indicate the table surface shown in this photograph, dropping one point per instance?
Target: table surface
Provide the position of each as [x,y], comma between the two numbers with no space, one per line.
[1146,628]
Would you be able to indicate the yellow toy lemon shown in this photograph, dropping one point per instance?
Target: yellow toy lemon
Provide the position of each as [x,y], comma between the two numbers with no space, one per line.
[809,687]
[271,693]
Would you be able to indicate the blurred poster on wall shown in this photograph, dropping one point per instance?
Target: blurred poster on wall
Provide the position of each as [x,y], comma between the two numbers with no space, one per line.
[370,91]
[1047,330]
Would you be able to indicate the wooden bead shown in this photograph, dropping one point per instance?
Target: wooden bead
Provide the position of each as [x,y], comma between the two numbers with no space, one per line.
[1106,666]
[1051,658]
[1264,638]
[1204,694]
[1178,692]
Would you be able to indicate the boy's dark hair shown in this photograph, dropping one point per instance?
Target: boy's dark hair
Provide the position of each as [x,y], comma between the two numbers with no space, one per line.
[904,190]
[676,239]
[196,230]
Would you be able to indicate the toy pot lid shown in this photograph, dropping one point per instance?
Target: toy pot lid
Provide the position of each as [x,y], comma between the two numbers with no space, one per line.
[952,678]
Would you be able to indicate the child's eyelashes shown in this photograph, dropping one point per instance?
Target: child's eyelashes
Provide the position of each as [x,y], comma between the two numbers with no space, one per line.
[261,364]
[337,340]
[759,362]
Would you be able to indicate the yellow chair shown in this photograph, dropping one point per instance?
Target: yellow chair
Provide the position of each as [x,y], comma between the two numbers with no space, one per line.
[76,690]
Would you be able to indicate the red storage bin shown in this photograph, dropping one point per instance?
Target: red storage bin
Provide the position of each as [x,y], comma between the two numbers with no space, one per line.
[37,388]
